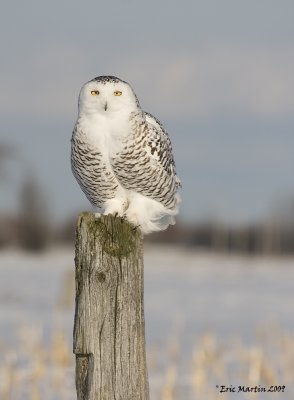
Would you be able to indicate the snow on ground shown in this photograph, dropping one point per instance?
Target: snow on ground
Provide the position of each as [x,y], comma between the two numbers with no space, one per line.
[227,294]
[187,293]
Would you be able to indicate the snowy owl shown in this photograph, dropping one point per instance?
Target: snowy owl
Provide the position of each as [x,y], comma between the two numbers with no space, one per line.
[122,157]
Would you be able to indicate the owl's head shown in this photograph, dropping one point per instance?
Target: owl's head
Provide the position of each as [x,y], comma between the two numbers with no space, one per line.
[107,94]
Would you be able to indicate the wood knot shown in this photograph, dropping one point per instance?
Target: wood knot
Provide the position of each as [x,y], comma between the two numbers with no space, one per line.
[100,277]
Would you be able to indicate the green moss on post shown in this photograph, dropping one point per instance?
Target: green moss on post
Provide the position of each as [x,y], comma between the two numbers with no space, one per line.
[109,329]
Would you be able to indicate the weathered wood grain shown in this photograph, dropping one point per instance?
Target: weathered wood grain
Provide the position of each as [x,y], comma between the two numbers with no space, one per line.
[109,328]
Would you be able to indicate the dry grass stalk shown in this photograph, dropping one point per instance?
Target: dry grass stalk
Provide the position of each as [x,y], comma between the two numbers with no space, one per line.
[37,370]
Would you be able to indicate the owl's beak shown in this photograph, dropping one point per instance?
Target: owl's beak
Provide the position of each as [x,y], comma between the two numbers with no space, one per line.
[105,106]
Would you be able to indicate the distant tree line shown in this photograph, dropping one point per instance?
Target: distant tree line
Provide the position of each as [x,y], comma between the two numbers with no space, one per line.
[29,227]
[32,229]
[255,238]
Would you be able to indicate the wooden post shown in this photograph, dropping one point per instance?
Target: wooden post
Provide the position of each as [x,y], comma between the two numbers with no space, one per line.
[109,327]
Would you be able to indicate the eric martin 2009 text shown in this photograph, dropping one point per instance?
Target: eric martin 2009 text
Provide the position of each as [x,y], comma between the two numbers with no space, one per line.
[248,389]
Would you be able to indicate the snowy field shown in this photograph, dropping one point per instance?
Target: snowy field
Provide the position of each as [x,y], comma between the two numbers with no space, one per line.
[210,320]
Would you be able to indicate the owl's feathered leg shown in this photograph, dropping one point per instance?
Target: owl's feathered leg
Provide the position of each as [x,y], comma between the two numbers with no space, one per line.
[116,206]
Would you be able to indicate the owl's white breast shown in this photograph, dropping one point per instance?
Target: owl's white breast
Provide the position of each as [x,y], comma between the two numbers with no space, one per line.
[105,132]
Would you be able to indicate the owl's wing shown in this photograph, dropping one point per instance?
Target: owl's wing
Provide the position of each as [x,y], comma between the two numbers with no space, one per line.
[146,164]
[159,147]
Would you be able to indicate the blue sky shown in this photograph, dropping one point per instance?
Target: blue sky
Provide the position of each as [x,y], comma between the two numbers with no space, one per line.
[218,74]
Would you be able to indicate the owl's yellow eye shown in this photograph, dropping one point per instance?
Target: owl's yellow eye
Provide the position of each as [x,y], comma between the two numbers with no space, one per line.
[95,92]
[117,93]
